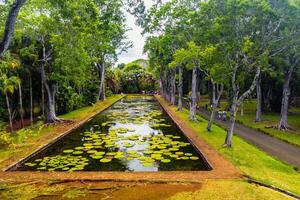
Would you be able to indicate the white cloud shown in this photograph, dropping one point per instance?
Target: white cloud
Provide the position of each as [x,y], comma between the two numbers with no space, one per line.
[135,36]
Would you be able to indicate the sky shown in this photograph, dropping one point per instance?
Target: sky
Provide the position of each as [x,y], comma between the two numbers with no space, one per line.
[135,36]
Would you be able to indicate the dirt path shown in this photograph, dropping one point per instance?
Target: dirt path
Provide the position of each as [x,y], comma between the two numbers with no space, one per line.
[281,150]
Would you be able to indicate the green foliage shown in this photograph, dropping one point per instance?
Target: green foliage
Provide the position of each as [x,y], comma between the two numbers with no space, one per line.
[10,140]
[135,77]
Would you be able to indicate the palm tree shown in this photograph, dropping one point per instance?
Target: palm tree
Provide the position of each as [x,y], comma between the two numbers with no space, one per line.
[8,86]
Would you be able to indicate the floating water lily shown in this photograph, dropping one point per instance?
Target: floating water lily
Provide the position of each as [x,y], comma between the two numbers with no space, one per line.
[105,160]
[68,151]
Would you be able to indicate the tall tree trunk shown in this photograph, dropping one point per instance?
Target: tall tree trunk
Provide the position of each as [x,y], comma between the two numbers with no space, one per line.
[242,110]
[173,86]
[216,96]
[9,113]
[238,101]
[21,104]
[43,96]
[180,88]
[101,93]
[292,63]
[162,90]
[10,25]
[50,90]
[168,86]
[259,100]
[194,96]
[234,108]
[31,99]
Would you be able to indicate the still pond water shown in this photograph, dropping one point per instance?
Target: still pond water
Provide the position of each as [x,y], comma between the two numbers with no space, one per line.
[135,134]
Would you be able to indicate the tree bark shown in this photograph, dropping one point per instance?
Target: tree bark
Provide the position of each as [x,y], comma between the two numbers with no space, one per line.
[21,104]
[234,108]
[173,86]
[180,88]
[283,123]
[162,90]
[238,101]
[194,96]
[9,113]
[216,96]
[259,100]
[43,96]
[50,90]
[31,99]
[10,25]
[101,93]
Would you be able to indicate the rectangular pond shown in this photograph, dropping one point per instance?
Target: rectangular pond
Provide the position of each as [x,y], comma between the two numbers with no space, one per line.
[135,134]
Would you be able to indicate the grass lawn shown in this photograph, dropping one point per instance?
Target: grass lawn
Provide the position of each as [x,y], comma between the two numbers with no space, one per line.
[269,119]
[26,140]
[249,159]
[210,190]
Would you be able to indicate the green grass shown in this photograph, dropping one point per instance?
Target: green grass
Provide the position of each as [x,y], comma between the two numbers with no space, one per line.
[249,159]
[229,190]
[269,120]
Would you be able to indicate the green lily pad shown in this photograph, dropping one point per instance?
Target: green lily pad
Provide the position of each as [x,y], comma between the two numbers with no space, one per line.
[105,160]
[194,158]
[97,157]
[119,156]
[30,164]
[148,164]
[111,153]
[99,153]
[184,158]
[77,152]
[91,151]
[42,168]
[165,160]
[147,152]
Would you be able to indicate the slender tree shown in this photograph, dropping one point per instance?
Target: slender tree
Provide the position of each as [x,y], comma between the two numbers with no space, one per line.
[10,25]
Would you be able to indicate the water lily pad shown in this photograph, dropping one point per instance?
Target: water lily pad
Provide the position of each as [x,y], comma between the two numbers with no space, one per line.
[105,160]
[147,152]
[119,156]
[30,164]
[42,168]
[129,158]
[194,158]
[165,160]
[91,151]
[111,153]
[148,164]
[77,152]
[99,153]
[97,157]
[184,158]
